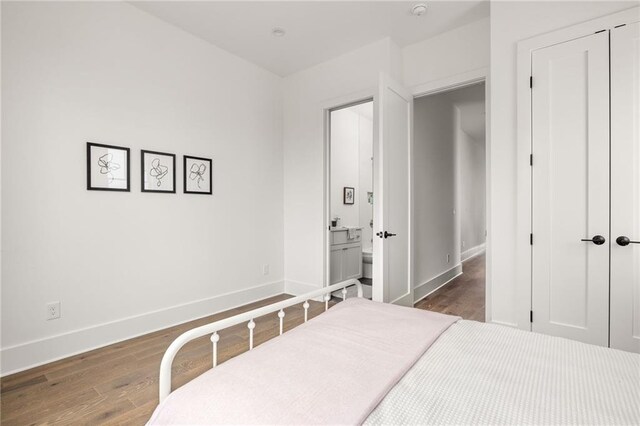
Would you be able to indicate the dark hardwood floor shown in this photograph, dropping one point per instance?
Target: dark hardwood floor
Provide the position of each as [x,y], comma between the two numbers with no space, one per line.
[464,296]
[118,384]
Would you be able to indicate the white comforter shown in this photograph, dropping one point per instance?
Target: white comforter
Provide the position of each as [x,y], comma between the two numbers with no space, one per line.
[479,373]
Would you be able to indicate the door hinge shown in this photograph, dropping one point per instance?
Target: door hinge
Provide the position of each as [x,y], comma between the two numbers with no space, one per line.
[531,316]
[531,159]
[531,82]
[531,239]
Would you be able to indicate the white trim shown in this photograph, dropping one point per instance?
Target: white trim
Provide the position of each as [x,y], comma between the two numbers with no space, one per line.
[524,147]
[472,252]
[436,283]
[42,351]
[450,83]
[296,288]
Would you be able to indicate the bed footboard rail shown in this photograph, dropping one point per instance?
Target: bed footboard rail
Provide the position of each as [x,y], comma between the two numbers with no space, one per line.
[248,317]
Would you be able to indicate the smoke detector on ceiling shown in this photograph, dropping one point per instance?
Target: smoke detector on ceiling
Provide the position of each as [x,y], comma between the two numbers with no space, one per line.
[419,9]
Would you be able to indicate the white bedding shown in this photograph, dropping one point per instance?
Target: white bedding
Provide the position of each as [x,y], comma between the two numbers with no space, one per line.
[479,373]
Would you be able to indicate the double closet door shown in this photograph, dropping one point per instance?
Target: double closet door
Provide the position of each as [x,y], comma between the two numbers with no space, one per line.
[586,189]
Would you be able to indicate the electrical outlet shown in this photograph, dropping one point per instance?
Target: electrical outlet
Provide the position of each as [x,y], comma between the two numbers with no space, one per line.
[53,310]
[448,258]
[265,269]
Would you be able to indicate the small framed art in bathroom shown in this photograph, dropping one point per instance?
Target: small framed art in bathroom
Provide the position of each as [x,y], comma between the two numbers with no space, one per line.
[348,195]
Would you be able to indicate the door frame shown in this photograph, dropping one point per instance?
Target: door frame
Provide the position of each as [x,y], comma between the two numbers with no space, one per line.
[327,107]
[480,75]
[524,182]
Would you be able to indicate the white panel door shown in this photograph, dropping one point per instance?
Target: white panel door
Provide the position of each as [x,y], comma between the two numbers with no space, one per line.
[392,191]
[570,133]
[625,187]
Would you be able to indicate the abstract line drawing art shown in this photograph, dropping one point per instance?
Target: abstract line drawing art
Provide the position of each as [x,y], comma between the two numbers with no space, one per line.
[107,167]
[197,175]
[158,171]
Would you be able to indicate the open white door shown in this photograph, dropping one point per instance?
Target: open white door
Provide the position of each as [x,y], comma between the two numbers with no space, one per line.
[392,147]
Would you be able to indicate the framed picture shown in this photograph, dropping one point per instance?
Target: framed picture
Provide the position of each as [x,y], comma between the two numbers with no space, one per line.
[197,175]
[107,167]
[348,195]
[158,172]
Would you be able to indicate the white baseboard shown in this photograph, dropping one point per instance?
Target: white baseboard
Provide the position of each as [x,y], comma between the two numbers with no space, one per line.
[472,252]
[297,288]
[423,290]
[42,351]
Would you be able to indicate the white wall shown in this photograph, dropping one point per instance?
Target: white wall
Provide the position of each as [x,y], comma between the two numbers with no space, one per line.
[345,160]
[123,264]
[306,94]
[351,166]
[510,23]
[471,167]
[437,228]
[449,54]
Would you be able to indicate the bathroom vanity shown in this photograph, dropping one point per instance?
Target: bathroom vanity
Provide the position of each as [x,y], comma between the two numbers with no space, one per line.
[346,254]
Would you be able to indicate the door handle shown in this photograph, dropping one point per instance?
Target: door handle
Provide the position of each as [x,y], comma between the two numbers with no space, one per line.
[625,241]
[385,234]
[597,240]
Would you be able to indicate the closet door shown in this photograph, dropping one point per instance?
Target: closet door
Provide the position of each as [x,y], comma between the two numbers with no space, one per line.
[625,187]
[570,134]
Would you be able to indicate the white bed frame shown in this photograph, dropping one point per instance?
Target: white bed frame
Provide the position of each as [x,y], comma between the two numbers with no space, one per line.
[213,328]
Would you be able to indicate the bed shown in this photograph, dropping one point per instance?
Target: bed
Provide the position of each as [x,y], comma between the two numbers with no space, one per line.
[373,363]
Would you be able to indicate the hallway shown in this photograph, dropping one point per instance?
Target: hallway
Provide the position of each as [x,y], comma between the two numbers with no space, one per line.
[464,296]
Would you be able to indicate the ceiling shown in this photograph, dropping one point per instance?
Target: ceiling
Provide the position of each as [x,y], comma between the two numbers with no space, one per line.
[315,30]
[470,101]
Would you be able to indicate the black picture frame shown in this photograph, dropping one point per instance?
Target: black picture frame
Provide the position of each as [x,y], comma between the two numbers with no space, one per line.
[106,168]
[345,197]
[189,177]
[143,186]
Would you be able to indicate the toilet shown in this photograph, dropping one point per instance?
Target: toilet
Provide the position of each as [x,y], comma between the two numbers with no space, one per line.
[367,262]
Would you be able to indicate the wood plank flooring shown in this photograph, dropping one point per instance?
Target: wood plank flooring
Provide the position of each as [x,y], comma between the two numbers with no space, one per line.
[118,384]
[464,296]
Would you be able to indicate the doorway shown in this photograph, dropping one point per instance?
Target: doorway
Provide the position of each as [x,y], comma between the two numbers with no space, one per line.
[391,198]
[351,198]
[449,194]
